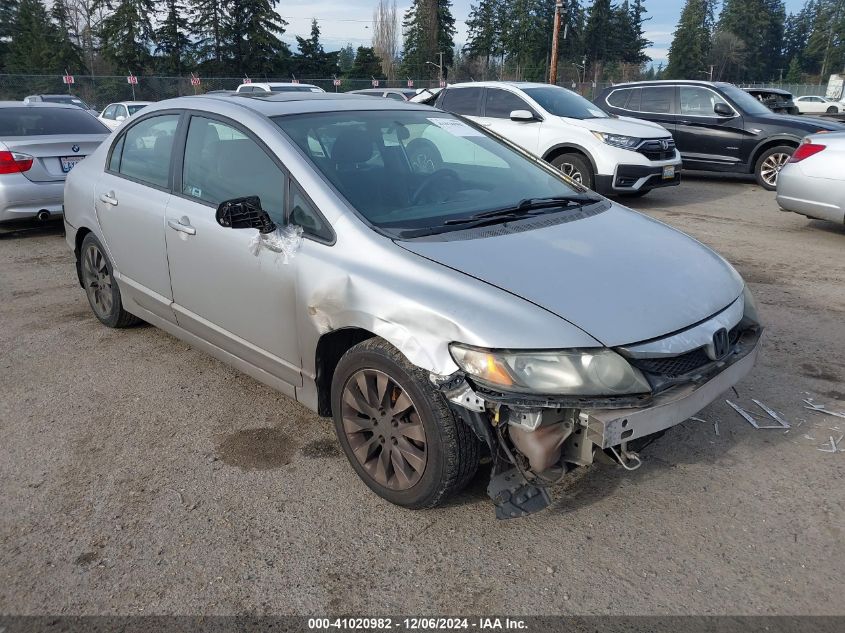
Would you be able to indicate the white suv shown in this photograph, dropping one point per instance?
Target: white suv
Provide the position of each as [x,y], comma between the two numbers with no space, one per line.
[278,87]
[610,154]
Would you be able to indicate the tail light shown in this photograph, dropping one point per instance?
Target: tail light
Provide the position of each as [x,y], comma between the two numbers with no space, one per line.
[14,162]
[805,150]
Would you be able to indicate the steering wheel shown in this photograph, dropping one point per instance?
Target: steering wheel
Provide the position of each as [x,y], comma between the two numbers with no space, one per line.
[446,178]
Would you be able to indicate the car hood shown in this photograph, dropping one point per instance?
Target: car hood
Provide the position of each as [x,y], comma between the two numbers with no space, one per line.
[622,125]
[801,121]
[618,275]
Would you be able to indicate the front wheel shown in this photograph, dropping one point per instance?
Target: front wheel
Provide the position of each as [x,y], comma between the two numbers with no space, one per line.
[832,110]
[576,167]
[769,164]
[397,430]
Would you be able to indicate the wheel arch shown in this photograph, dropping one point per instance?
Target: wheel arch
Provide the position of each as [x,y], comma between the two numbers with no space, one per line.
[81,232]
[569,148]
[331,347]
[768,143]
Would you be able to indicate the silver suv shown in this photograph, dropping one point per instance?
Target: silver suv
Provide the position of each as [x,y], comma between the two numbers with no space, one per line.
[482,302]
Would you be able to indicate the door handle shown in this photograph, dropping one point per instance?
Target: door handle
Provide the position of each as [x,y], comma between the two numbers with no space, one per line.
[109,198]
[183,226]
[684,122]
[486,124]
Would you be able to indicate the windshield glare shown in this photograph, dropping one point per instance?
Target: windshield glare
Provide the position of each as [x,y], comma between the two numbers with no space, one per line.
[417,169]
[745,101]
[562,102]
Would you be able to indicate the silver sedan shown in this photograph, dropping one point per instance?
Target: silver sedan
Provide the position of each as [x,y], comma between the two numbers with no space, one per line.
[489,304]
[812,183]
[39,144]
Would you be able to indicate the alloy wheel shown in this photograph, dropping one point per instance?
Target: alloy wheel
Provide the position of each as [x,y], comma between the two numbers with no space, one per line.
[384,429]
[98,281]
[771,167]
[572,171]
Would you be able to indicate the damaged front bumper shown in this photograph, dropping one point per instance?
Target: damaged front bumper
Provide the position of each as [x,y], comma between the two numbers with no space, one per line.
[534,440]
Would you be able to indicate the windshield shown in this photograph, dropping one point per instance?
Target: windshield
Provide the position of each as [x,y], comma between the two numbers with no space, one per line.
[46,121]
[418,169]
[72,100]
[744,100]
[134,108]
[562,102]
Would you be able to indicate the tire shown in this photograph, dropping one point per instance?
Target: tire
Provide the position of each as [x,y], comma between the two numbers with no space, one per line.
[773,158]
[832,110]
[425,423]
[576,167]
[100,287]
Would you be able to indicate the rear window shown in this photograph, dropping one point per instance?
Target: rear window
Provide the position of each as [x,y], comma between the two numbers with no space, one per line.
[47,121]
[293,89]
[79,103]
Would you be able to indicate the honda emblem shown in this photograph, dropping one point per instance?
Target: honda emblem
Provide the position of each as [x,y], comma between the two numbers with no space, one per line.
[721,344]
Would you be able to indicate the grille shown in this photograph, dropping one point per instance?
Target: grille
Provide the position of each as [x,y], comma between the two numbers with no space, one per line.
[653,150]
[674,366]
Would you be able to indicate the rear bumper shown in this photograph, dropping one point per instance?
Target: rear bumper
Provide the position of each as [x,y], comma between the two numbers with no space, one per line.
[20,198]
[814,197]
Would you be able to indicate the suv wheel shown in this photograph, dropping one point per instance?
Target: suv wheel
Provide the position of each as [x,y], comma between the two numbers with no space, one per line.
[397,429]
[100,286]
[769,165]
[576,167]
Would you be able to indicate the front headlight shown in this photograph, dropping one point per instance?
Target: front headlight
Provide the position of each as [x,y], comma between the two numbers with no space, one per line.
[750,313]
[618,140]
[598,372]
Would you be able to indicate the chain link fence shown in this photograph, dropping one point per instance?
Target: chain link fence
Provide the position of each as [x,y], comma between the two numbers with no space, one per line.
[99,91]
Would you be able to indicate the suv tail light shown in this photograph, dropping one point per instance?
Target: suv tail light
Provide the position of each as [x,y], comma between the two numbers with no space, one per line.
[14,162]
[805,150]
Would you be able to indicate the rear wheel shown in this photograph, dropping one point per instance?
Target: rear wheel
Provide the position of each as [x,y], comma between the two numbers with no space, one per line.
[397,430]
[100,286]
[769,164]
[576,167]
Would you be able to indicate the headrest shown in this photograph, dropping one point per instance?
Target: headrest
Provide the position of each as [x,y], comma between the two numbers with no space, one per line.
[352,146]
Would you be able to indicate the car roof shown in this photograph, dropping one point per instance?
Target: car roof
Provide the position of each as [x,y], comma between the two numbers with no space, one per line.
[284,103]
[776,91]
[128,103]
[499,84]
[669,82]
[278,83]
[37,104]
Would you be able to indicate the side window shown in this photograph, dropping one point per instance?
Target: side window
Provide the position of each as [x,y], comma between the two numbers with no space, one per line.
[303,214]
[121,111]
[147,147]
[395,95]
[618,98]
[222,163]
[463,101]
[500,104]
[657,100]
[116,152]
[698,101]
[108,113]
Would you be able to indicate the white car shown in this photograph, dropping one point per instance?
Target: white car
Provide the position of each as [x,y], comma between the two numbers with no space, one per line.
[610,154]
[278,87]
[116,113]
[818,105]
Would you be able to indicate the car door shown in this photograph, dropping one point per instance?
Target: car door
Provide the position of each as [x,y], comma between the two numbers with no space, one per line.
[130,199]
[498,105]
[223,292]
[812,105]
[705,139]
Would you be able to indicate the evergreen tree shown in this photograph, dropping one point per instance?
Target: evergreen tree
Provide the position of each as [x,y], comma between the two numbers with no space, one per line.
[428,28]
[252,36]
[793,74]
[796,33]
[311,59]
[345,58]
[172,38]
[640,42]
[206,27]
[597,43]
[367,64]
[30,49]
[127,33]
[68,52]
[8,21]
[483,38]
[759,25]
[825,51]
[690,47]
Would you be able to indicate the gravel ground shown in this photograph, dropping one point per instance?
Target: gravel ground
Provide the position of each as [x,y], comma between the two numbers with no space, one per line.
[141,476]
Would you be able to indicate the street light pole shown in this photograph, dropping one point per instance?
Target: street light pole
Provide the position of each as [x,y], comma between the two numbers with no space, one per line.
[555,43]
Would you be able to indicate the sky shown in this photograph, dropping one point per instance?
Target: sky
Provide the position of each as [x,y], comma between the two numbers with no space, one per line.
[350,21]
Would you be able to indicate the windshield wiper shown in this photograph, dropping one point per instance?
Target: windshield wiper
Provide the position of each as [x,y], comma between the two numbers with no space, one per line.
[524,209]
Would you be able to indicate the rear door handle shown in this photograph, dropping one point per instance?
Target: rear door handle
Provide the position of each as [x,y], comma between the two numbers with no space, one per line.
[109,198]
[183,226]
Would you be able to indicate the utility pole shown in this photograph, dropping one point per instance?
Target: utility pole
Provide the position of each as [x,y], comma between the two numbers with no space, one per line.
[555,43]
